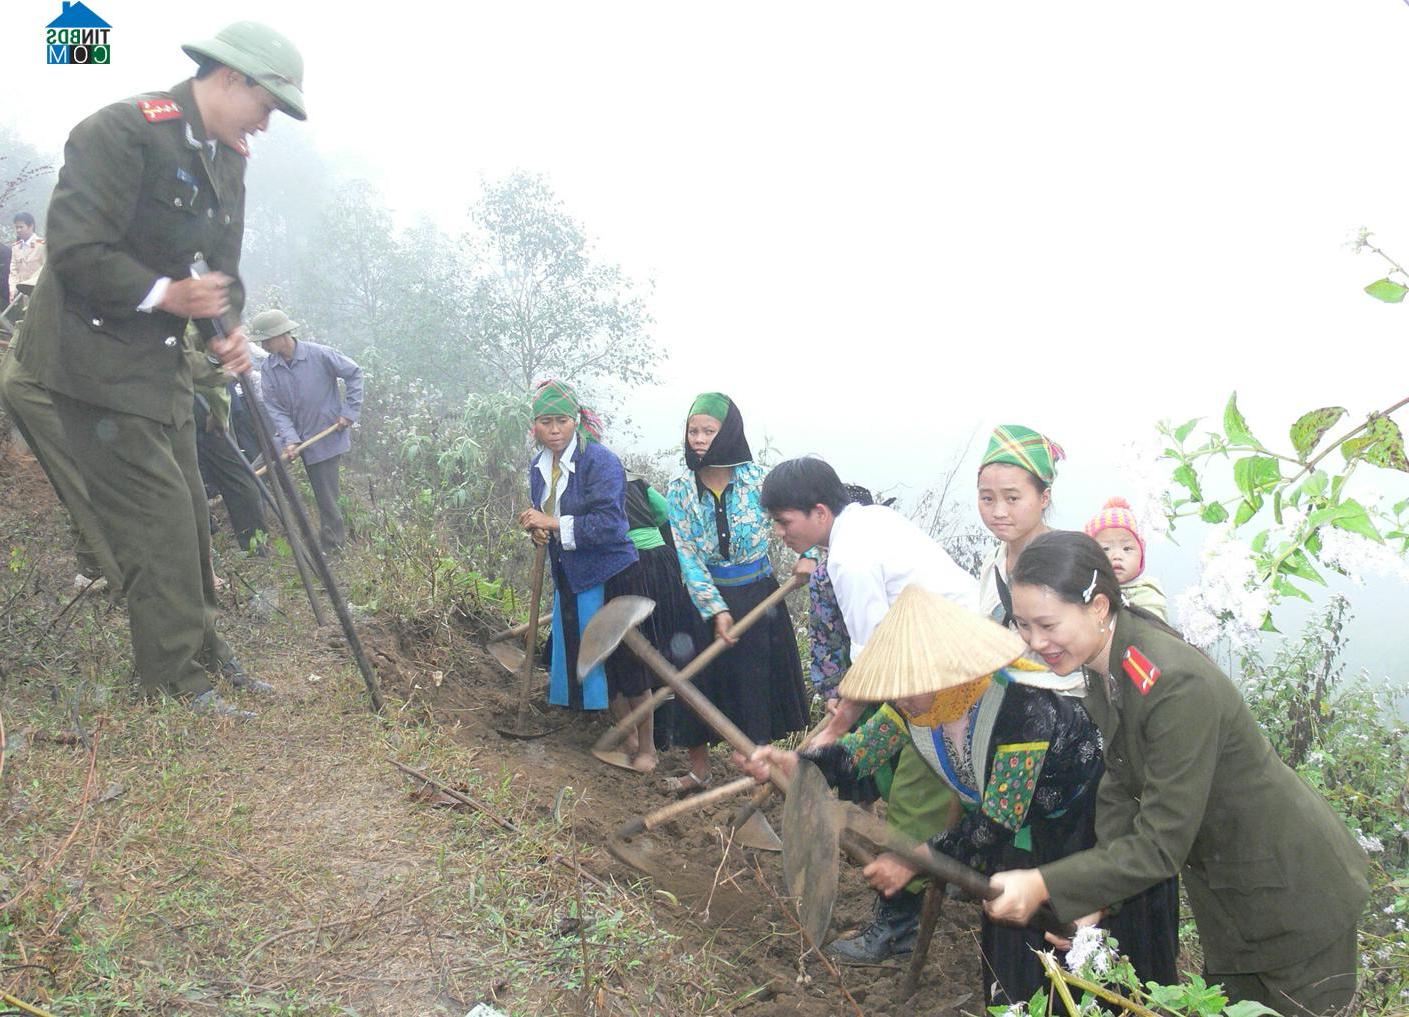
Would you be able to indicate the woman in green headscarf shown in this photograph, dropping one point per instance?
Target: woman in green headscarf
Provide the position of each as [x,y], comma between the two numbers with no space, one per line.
[721,538]
[578,489]
[1014,492]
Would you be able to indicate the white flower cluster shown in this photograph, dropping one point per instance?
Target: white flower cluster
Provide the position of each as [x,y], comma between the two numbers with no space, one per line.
[1359,556]
[1146,478]
[1372,845]
[1228,602]
[1088,946]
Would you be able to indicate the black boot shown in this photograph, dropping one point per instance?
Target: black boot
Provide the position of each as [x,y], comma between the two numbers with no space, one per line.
[890,934]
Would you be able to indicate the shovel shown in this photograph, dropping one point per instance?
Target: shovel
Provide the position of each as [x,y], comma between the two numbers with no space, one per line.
[627,724]
[511,654]
[521,730]
[854,830]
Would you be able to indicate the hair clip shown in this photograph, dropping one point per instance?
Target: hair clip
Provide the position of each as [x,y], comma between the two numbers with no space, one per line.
[1087,593]
[1124,599]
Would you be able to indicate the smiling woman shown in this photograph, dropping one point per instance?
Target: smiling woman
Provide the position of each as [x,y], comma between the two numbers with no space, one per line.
[1275,879]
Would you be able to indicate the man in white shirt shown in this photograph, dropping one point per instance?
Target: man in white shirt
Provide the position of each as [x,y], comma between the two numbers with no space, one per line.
[26,253]
[873,552]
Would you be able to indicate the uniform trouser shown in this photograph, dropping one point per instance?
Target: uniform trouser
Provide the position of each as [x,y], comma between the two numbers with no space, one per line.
[222,466]
[1320,985]
[144,483]
[323,477]
[920,805]
[34,413]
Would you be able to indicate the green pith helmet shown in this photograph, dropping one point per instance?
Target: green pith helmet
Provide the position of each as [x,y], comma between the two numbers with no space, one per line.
[261,53]
[268,324]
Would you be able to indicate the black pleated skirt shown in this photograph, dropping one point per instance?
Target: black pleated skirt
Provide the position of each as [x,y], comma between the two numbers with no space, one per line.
[758,683]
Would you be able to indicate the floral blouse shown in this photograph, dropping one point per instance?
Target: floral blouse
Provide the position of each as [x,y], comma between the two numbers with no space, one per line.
[831,645]
[692,523]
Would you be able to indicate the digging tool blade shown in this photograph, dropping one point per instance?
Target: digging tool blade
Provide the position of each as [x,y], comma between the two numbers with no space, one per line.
[757,833]
[812,825]
[608,627]
[509,654]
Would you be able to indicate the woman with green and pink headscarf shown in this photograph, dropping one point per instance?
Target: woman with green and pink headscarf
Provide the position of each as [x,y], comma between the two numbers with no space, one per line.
[578,490]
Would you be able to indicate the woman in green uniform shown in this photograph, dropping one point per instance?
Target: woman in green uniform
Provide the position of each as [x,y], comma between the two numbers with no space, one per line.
[1192,787]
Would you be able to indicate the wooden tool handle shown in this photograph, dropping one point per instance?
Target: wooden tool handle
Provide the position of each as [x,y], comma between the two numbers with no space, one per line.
[518,629]
[530,634]
[317,437]
[623,727]
[864,825]
[677,809]
[761,797]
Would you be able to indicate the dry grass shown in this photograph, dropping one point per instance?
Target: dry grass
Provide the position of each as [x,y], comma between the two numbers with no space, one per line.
[279,866]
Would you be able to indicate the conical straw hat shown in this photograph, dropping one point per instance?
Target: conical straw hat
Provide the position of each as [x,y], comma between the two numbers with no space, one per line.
[926,643]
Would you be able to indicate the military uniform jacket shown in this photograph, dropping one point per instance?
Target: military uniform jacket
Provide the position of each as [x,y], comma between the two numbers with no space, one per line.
[139,197]
[1193,787]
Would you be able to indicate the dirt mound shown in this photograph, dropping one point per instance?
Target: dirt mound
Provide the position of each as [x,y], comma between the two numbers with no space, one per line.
[722,908]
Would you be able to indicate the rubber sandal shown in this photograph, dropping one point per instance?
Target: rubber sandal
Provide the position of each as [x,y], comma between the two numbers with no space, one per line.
[687,783]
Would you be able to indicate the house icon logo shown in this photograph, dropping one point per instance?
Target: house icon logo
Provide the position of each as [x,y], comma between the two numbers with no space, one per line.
[78,36]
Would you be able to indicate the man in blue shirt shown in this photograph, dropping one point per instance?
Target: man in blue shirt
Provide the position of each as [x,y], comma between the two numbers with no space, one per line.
[300,383]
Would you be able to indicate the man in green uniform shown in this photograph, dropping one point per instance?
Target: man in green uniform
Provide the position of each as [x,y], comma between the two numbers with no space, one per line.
[151,185]
[33,412]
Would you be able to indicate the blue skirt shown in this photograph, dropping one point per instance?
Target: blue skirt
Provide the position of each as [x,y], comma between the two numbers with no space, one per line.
[571,613]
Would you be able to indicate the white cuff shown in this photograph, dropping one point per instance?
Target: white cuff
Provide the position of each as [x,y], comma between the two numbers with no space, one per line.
[155,296]
[565,533]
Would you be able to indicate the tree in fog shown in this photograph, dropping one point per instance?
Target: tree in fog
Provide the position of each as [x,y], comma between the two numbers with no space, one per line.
[541,304]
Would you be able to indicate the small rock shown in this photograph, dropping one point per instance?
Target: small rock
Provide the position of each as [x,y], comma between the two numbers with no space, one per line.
[112,791]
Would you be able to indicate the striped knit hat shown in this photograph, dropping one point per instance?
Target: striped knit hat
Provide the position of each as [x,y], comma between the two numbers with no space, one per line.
[1117,515]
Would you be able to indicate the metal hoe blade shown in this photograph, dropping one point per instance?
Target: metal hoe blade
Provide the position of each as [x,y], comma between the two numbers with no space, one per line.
[757,833]
[812,825]
[509,654]
[608,627]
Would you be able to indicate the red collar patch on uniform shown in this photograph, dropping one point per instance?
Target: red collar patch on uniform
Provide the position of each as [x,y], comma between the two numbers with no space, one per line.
[1139,670]
[157,110]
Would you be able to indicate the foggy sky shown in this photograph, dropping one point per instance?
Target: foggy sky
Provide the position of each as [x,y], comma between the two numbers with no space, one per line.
[882,228]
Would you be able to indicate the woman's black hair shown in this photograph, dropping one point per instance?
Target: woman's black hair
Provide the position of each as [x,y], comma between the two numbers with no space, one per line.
[1074,567]
[801,485]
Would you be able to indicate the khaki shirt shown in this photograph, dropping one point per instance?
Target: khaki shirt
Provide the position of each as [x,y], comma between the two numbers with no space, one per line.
[1192,787]
[26,259]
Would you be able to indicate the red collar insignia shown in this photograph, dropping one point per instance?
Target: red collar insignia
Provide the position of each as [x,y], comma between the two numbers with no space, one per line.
[157,110]
[1139,670]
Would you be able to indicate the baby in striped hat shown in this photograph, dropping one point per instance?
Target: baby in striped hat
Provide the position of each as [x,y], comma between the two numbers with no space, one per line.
[1115,529]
